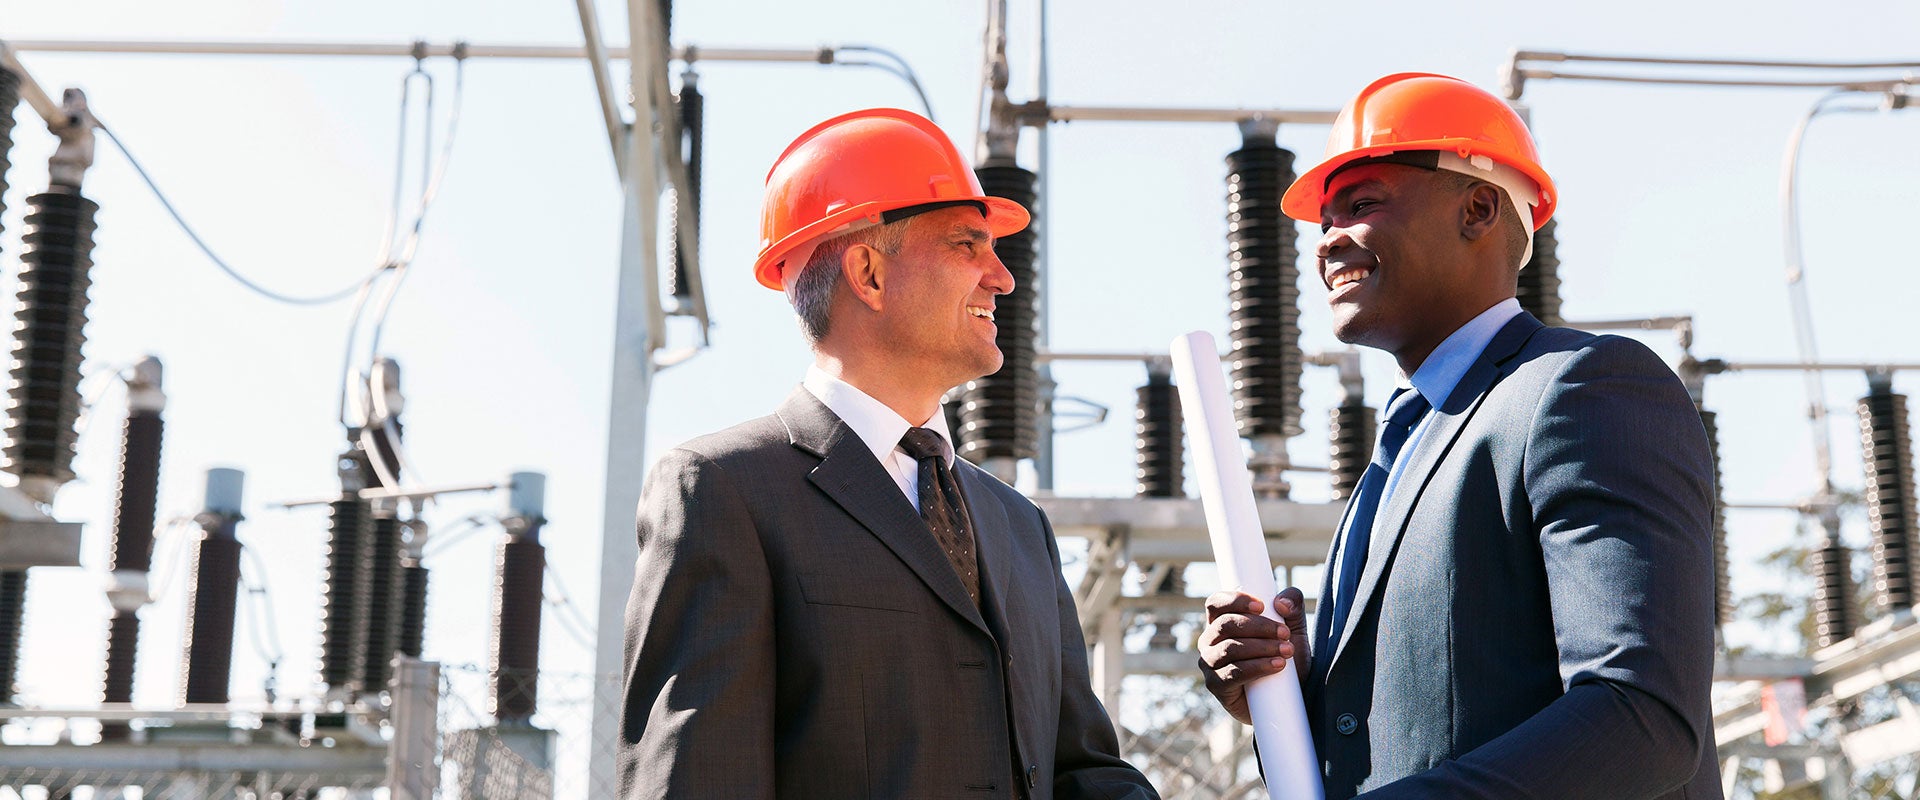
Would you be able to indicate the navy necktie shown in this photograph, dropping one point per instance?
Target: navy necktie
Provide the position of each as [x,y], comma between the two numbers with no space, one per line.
[941,507]
[1403,413]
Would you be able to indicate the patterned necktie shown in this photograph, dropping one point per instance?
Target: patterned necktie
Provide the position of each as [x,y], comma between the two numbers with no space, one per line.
[941,507]
[1403,413]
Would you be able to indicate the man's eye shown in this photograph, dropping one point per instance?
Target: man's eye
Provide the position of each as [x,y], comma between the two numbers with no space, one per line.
[1362,205]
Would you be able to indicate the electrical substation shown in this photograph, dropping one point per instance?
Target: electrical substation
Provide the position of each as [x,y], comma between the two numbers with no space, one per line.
[384,718]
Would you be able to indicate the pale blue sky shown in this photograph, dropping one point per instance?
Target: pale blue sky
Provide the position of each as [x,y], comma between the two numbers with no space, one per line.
[1669,206]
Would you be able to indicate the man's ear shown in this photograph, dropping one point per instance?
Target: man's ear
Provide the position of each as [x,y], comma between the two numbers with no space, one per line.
[864,268]
[1480,211]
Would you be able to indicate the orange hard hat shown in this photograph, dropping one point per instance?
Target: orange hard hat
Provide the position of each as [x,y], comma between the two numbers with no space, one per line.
[851,171]
[1416,111]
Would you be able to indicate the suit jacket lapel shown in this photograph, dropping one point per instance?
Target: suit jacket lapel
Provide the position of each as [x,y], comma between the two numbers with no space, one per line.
[1442,429]
[850,476]
[992,538]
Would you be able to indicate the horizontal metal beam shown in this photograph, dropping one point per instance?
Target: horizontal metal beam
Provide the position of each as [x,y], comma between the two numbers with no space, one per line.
[1177,604]
[1551,56]
[1857,665]
[1886,740]
[1761,668]
[1885,652]
[819,55]
[1330,358]
[36,97]
[1631,324]
[36,543]
[254,757]
[1881,85]
[125,712]
[1294,116]
[1175,529]
[377,493]
[1162,662]
[1717,366]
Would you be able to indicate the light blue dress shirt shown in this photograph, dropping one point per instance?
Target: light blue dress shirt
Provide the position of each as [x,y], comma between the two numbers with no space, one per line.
[1437,377]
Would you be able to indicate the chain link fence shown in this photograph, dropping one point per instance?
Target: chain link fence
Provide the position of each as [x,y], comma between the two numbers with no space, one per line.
[1188,747]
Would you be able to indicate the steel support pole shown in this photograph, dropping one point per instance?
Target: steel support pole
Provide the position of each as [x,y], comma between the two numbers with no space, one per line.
[411,773]
[638,326]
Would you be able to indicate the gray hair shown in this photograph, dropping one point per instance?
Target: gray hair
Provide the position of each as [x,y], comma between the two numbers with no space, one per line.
[811,292]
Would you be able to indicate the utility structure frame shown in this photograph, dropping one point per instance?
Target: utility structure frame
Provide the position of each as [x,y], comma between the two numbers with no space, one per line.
[1158,531]
[1853,660]
[646,157]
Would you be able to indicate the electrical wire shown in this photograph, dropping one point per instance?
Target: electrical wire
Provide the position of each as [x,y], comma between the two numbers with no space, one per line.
[567,613]
[377,401]
[166,568]
[261,612]
[400,253]
[899,68]
[435,173]
[118,376]
[1797,285]
[263,587]
[439,543]
[279,297]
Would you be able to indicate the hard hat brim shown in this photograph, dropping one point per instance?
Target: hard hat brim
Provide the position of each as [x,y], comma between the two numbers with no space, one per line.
[1304,198]
[1004,218]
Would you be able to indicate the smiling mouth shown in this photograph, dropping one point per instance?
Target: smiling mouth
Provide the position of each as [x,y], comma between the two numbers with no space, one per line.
[1347,277]
[981,312]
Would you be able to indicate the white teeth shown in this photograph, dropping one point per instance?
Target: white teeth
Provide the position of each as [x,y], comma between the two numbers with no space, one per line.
[1353,276]
[980,312]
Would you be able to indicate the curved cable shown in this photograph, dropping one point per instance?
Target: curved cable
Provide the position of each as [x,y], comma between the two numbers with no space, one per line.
[262,587]
[572,617]
[377,402]
[399,254]
[353,331]
[1797,286]
[899,68]
[207,251]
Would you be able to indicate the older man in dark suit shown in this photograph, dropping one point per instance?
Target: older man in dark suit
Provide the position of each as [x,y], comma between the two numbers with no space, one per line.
[829,604]
[1519,603]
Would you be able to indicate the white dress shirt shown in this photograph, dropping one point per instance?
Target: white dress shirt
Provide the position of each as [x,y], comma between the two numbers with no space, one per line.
[879,427]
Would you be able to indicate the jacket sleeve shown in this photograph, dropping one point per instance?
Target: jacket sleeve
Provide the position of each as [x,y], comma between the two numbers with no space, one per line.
[697,719]
[1619,477]
[1087,762]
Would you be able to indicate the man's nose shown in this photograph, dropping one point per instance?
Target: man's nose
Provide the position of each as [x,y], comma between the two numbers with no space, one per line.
[997,279]
[1333,239]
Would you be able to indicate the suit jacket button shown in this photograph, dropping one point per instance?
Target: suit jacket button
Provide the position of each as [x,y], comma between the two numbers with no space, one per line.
[1347,724]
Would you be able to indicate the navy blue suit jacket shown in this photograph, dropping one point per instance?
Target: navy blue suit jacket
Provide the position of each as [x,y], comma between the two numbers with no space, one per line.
[1536,618]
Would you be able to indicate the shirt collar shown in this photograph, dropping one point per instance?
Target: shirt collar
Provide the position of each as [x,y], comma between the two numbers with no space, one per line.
[1441,372]
[878,426]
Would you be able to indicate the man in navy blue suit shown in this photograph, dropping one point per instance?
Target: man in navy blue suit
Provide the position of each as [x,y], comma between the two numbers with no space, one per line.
[1519,601]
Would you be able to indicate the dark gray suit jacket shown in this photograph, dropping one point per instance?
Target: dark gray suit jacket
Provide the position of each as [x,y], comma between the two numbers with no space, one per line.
[1536,619]
[795,631]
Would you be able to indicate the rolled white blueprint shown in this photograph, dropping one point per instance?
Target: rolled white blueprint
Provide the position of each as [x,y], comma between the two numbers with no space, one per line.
[1285,743]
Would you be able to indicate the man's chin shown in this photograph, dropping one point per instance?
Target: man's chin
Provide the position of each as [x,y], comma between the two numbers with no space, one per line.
[1348,328]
